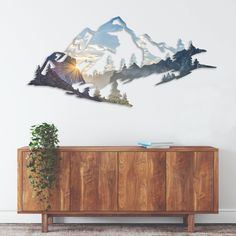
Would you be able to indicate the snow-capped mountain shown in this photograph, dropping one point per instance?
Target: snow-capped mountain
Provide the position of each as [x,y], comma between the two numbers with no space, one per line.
[115,40]
[80,42]
[99,64]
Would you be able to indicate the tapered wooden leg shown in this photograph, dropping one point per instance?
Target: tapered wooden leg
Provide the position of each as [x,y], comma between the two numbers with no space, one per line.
[191,223]
[50,220]
[185,220]
[44,223]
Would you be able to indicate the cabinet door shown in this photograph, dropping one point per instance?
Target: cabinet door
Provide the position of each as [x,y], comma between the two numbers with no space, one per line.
[189,185]
[141,181]
[60,196]
[94,181]
[203,181]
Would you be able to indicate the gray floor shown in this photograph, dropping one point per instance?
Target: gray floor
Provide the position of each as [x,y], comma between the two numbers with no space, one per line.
[115,229]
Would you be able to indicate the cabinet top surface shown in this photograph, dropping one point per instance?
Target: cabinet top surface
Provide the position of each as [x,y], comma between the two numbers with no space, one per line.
[130,148]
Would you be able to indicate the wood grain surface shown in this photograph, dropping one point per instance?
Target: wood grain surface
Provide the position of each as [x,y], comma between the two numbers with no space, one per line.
[216,182]
[141,181]
[190,181]
[179,184]
[203,181]
[128,182]
[93,181]
[60,198]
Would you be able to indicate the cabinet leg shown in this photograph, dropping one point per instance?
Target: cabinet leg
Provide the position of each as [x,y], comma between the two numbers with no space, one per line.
[44,223]
[190,223]
[50,220]
[185,220]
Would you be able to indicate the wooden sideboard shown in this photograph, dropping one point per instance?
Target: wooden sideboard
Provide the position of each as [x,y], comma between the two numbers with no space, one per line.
[127,181]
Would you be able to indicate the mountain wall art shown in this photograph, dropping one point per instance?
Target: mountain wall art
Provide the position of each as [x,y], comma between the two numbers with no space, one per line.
[111,57]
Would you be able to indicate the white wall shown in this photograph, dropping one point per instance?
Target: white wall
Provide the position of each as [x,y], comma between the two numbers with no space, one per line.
[196,110]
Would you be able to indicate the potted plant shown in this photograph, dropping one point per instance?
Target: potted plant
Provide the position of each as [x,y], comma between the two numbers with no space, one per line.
[42,161]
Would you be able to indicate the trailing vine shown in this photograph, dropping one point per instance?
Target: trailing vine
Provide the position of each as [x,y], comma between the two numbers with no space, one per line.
[42,161]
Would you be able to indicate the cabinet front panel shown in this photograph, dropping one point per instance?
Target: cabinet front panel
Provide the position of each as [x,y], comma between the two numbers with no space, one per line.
[179,184]
[189,181]
[141,185]
[127,181]
[203,181]
[60,195]
[94,181]
[29,202]
[60,199]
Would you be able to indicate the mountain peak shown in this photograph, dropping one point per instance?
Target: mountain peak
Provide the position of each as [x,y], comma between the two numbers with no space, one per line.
[86,31]
[113,25]
[146,36]
[118,20]
[90,46]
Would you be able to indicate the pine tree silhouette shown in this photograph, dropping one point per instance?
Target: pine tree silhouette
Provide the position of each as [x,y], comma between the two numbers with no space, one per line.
[125,99]
[196,63]
[97,94]
[122,64]
[115,95]
[133,60]
[110,64]
[38,72]
[180,45]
